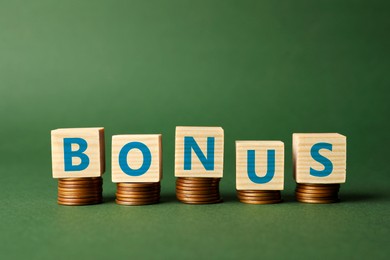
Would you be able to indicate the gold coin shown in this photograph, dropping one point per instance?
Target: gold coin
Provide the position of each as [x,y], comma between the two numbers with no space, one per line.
[316,190]
[316,198]
[196,192]
[259,198]
[322,191]
[198,179]
[205,191]
[86,180]
[69,197]
[203,196]
[147,196]
[200,196]
[201,202]
[78,203]
[318,187]
[197,184]
[138,192]
[196,188]
[138,184]
[81,194]
[80,198]
[81,179]
[212,189]
[138,200]
[79,184]
[128,203]
[80,190]
[318,201]
[128,198]
[315,195]
[67,203]
[319,184]
[178,187]
[198,199]
[77,197]
[65,197]
[139,188]
[200,192]
[258,193]
[259,202]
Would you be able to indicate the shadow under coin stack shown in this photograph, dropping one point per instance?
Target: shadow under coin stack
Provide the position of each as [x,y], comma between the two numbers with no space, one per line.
[80,191]
[136,194]
[259,196]
[198,190]
[317,193]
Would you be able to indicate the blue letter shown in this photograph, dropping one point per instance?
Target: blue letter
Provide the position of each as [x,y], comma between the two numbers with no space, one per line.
[189,143]
[328,166]
[69,154]
[123,158]
[270,167]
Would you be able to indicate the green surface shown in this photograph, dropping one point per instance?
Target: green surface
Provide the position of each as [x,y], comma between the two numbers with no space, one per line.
[260,69]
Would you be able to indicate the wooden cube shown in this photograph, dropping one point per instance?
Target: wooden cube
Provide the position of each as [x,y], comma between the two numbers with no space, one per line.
[78,152]
[199,152]
[259,165]
[136,158]
[320,158]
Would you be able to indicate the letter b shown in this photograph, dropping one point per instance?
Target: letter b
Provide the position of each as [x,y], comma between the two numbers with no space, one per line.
[69,154]
[77,152]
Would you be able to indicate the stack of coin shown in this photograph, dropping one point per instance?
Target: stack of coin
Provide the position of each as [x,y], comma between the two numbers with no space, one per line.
[197,190]
[259,196]
[317,193]
[80,191]
[138,193]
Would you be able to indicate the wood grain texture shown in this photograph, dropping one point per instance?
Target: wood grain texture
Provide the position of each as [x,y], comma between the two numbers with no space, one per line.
[135,158]
[260,147]
[200,134]
[94,136]
[303,161]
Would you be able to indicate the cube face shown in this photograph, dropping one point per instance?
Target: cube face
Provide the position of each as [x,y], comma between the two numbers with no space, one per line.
[319,158]
[199,152]
[78,152]
[259,165]
[136,158]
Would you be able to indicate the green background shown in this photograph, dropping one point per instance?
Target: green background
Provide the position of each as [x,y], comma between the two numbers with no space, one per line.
[260,69]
